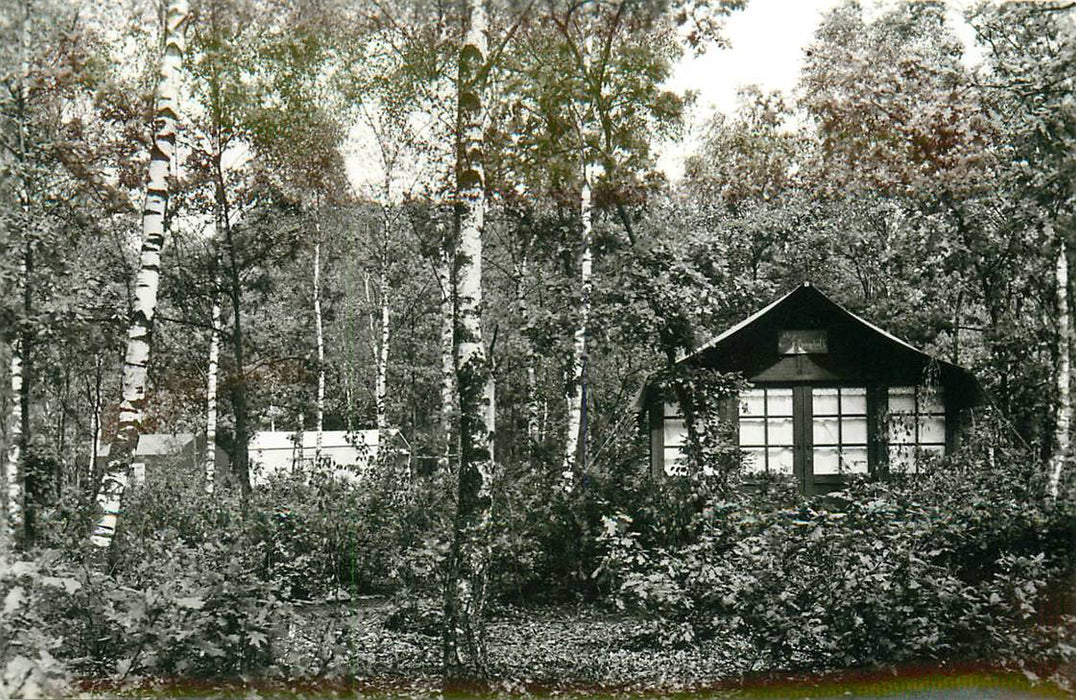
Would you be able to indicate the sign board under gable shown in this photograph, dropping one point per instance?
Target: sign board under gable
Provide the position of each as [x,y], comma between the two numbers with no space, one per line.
[802,342]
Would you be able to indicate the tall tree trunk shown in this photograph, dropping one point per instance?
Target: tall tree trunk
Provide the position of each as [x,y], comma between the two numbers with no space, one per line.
[238,395]
[140,328]
[1062,439]
[97,400]
[575,442]
[531,357]
[379,343]
[319,435]
[574,445]
[211,397]
[448,345]
[13,478]
[31,483]
[465,587]
[382,386]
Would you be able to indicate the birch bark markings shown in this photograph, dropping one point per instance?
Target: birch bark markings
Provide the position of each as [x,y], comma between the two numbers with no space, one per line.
[465,591]
[382,386]
[211,397]
[1064,374]
[532,357]
[319,435]
[379,343]
[575,442]
[14,476]
[448,346]
[140,328]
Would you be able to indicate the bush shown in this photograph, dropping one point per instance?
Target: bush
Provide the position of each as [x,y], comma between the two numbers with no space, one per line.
[959,563]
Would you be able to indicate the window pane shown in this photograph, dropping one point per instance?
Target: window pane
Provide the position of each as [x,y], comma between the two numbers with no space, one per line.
[933,450]
[824,402]
[902,399]
[754,460]
[854,431]
[824,431]
[781,460]
[675,462]
[901,459]
[752,402]
[672,409]
[675,432]
[930,401]
[780,431]
[932,429]
[854,460]
[779,402]
[854,401]
[900,429]
[826,460]
[752,431]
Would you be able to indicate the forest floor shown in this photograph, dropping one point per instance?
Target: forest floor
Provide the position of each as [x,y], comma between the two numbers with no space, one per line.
[544,650]
[370,648]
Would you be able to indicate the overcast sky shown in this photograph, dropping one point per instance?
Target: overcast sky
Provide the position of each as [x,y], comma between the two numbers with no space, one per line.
[766,40]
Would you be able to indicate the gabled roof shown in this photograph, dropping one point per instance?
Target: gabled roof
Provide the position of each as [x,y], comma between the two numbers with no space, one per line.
[796,292]
[859,349]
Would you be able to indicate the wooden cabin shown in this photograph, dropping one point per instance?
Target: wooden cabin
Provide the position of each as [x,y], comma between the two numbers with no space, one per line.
[830,395]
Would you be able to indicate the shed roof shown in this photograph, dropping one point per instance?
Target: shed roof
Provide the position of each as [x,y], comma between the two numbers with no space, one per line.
[155,444]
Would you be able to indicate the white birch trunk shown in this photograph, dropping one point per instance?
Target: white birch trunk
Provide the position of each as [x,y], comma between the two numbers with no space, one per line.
[1064,374]
[532,357]
[211,399]
[14,493]
[382,386]
[137,356]
[13,477]
[379,344]
[575,442]
[319,435]
[95,443]
[468,567]
[448,362]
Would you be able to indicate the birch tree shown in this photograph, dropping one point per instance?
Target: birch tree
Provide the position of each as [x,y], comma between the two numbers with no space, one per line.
[446,287]
[1063,430]
[140,329]
[575,442]
[18,431]
[468,562]
[213,370]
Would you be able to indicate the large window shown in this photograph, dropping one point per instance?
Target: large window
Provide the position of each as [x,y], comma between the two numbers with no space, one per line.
[766,435]
[915,426]
[810,431]
[839,430]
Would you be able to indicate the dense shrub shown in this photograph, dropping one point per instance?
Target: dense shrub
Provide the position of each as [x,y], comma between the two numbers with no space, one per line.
[195,586]
[963,562]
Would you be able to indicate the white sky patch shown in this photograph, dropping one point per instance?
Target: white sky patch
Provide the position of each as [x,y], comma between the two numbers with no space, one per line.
[766,39]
